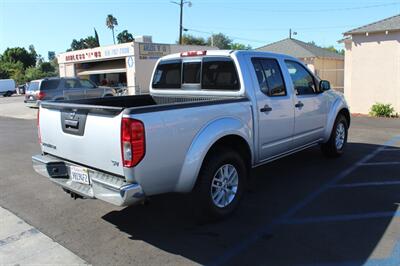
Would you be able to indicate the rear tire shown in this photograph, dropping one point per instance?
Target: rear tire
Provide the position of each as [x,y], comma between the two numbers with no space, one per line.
[220,184]
[336,144]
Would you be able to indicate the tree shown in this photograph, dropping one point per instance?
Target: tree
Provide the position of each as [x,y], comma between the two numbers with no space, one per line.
[88,42]
[111,22]
[333,49]
[188,39]
[329,48]
[51,55]
[32,51]
[240,46]
[124,37]
[33,73]
[19,54]
[46,67]
[12,70]
[220,40]
[96,36]
[91,42]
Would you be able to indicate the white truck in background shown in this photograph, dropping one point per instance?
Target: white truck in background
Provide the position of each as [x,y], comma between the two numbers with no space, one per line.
[7,87]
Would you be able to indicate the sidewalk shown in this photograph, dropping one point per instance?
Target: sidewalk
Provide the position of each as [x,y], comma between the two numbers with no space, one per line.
[21,244]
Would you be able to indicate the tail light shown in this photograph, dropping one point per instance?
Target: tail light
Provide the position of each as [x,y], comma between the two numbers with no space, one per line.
[38,126]
[40,95]
[193,53]
[132,142]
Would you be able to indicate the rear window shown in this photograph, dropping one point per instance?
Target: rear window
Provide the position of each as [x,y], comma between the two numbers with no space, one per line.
[33,86]
[212,73]
[168,75]
[219,74]
[49,84]
[191,72]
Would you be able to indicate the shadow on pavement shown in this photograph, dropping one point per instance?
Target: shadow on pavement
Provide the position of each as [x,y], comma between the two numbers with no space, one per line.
[338,226]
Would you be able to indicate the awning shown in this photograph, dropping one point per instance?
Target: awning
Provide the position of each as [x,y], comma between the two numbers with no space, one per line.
[102,71]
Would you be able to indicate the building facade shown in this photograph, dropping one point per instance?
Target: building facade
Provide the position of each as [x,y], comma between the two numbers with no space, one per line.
[326,64]
[372,65]
[127,65]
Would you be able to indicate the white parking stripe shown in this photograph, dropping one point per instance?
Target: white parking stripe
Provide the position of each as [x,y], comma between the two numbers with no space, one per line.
[22,244]
[379,163]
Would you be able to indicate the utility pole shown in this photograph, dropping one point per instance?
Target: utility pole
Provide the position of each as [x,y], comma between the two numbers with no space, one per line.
[180,4]
[180,23]
[290,33]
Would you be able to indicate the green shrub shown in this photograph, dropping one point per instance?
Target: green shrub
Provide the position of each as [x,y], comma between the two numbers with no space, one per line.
[382,110]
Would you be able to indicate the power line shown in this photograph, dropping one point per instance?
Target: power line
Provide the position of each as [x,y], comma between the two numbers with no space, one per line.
[314,10]
[275,29]
[233,37]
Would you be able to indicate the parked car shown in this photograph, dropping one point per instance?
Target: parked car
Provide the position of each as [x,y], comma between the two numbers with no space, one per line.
[210,117]
[7,87]
[63,89]
[21,89]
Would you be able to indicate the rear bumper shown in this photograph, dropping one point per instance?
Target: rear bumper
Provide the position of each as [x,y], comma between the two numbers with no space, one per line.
[106,187]
[30,103]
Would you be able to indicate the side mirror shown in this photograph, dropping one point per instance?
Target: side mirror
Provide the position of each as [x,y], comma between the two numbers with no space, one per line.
[324,85]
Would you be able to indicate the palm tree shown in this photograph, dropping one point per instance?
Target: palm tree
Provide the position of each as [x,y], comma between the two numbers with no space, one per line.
[111,22]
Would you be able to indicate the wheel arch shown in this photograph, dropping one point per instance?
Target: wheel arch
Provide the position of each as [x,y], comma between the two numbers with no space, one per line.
[229,132]
[338,107]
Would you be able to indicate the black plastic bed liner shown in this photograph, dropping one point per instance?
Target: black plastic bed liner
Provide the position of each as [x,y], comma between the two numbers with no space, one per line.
[136,103]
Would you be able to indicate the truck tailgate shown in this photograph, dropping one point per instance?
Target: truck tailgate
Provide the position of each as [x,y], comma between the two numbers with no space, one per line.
[93,141]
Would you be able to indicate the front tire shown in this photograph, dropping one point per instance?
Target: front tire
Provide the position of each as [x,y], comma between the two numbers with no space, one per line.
[220,184]
[336,144]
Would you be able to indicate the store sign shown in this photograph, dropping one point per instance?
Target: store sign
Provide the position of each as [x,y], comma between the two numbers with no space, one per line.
[98,54]
[83,56]
[153,51]
[116,52]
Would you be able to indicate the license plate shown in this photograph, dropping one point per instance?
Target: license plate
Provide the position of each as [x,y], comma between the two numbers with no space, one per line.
[80,175]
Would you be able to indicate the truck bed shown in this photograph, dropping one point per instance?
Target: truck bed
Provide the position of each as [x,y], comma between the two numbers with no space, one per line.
[135,103]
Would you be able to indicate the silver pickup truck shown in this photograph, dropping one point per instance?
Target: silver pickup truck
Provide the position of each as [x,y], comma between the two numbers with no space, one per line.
[210,117]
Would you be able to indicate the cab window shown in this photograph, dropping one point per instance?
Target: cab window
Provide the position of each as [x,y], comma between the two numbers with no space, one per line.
[71,84]
[303,81]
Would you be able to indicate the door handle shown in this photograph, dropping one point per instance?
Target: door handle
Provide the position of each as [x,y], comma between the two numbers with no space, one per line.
[299,104]
[266,108]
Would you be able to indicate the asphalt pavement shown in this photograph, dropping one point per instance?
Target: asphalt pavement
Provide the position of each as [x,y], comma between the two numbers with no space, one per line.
[301,210]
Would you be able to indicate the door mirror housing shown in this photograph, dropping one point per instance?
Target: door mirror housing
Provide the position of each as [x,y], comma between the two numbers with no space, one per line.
[324,85]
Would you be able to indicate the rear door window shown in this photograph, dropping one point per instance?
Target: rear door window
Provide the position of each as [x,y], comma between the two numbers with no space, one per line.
[50,84]
[269,76]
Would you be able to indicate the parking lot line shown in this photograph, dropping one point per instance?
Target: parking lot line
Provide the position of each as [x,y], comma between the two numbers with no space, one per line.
[379,163]
[341,218]
[367,184]
[243,245]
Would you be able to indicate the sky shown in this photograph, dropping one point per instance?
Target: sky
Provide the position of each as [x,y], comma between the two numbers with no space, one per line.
[51,25]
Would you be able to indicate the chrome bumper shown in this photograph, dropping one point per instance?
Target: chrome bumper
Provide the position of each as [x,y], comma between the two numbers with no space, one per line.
[106,187]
